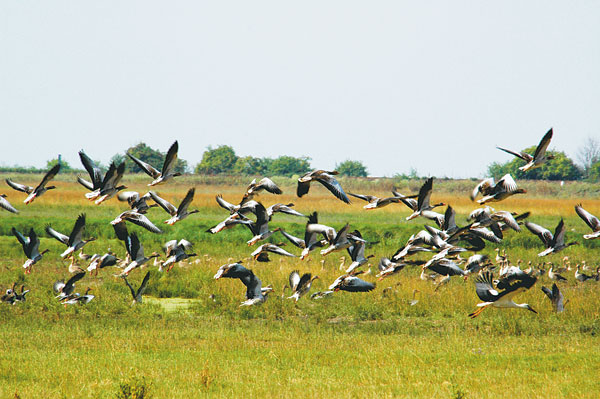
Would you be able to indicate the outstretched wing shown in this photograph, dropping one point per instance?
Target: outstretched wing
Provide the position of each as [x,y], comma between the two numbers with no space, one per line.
[147,168]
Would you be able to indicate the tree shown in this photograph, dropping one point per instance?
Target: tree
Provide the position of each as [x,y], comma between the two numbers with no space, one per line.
[252,166]
[589,154]
[352,168]
[288,166]
[64,165]
[594,172]
[218,160]
[149,155]
[560,168]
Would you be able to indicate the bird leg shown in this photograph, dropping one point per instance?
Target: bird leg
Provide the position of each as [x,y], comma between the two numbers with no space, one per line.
[478,312]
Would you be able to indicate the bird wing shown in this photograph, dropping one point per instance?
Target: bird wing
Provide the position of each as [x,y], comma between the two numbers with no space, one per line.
[71,282]
[93,170]
[224,204]
[341,234]
[147,168]
[544,234]
[59,236]
[334,186]
[425,194]
[121,231]
[142,221]
[76,234]
[506,184]
[294,240]
[143,286]
[449,219]
[355,284]
[591,220]
[164,204]
[19,187]
[482,187]
[49,176]
[134,248]
[24,241]
[558,298]
[524,156]
[303,188]
[280,251]
[559,233]
[129,286]
[185,203]
[548,293]
[294,279]
[6,205]
[304,280]
[543,145]
[484,288]
[113,175]
[170,159]
[86,184]
[367,198]
[269,185]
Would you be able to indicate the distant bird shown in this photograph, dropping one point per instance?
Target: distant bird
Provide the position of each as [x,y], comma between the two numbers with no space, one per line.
[4,204]
[65,290]
[30,247]
[300,285]
[512,285]
[552,275]
[422,206]
[73,241]
[504,188]
[40,189]
[376,202]
[539,157]
[351,283]
[138,219]
[321,294]
[100,262]
[581,277]
[175,252]
[138,295]
[414,299]
[556,297]
[554,243]
[262,253]
[254,292]
[136,252]
[178,213]
[265,184]
[168,168]
[590,220]
[136,202]
[326,179]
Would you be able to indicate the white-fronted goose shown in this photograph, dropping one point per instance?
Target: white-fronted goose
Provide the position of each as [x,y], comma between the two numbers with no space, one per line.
[590,220]
[178,213]
[503,189]
[40,189]
[30,248]
[300,285]
[326,179]
[539,157]
[168,169]
[73,241]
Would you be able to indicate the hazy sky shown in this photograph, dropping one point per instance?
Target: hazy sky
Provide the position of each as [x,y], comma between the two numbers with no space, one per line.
[432,85]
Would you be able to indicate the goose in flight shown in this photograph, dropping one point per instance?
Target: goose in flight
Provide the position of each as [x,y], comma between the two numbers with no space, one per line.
[591,220]
[100,262]
[94,172]
[357,251]
[138,295]
[178,213]
[30,247]
[265,184]
[231,221]
[539,157]
[300,285]
[136,218]
[136,252]
[255,293]
[79,299]
[326,179]
[556,297]
[73,241]
[168,168]
[67,289]
[511,285]
[554,243]
[422,206]
[349,282]
[40,189]
[175,252]
[136,202]
[376,202]
[108,187]
[4,204]
[262,253]
[300,243]
[499,191]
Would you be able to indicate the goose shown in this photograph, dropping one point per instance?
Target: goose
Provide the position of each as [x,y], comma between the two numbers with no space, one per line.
[590,220]
[79,299]
[556,297]
[476,263]
[100,262]
[539,157]
[321,294]
[407,250]
[375,202]
[581,277]
[108,188]
[325,178]
[136,202]
[414,299]
[260,228]
[10,295]
[300,243]
[261,253]
[74,267]
[138,295]
[178,213]
[340,241]
[229,206]
[489,217]
[73,241]
[138,219]
[65,290]
[312,231]
[504,188]
[21,297]
[230,222]
[349,282]
[175,252]
[94,172]
[30,248]
[168,168]
[422,206]
[445,267]
[300,285]
[357,252]
[554,243]
[4,204]
[254,293]
[283,208]
[265,184]
[512,285]
[388,268]
[40,189]
[136,251]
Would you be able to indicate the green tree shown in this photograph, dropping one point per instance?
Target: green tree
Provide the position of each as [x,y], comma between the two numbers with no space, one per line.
[594,172]
[288,166]
[64,165]
[560,168]
[352,168]
[217,160]
[149,155]
[252,166]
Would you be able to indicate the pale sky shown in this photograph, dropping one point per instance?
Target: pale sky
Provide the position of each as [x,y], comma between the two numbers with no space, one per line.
[432,85]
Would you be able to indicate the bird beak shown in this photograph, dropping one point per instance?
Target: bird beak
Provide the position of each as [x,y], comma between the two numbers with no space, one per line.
[530,308]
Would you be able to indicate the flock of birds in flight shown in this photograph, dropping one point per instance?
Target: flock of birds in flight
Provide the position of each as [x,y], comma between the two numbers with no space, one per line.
[446,241]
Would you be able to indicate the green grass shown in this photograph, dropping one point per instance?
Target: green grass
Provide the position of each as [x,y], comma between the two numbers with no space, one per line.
[190,338]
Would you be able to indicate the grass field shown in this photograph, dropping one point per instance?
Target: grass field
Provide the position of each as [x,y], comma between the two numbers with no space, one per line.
[191,338]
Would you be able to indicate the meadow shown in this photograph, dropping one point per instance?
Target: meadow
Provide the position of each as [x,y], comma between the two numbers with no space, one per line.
[190,338]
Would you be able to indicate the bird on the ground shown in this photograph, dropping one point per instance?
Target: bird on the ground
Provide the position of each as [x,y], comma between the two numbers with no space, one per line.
[30,246]
[581,277]
[40,189]
[592,221]
[553,242]
[168,168]
[138,295]
[4,204]
[300,285]
[326,178]
[511,286]
[556,297]
[179,213]
[539,157]
[73,241]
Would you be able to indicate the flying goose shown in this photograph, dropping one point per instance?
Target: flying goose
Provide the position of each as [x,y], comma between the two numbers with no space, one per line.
[40,189]
[260,228]
[100,262]
[73,241]
[30,247]
[326,179]
[340,241]
[93,170]
[556,297]
[138,295]
[422,206]
[265,184]
[262,253]
[376,202]
[79,299]
[282,208]
[178,213]
[136,252]
[300,243]
[65,290]
[175,252]
[230,222]
[300,285]
[136,202]
[388,268]
[504,188]
[349,282]
[254,291]
[168,168]
[357,251]
[4,204]
[539,157]
[138,219]
[554,243]
[512,285]
[108,187]
[590,220]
